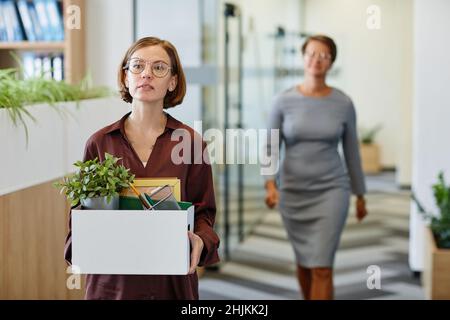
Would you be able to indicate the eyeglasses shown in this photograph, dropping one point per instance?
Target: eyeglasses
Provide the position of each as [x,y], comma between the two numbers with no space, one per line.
[321,56]
[159,68]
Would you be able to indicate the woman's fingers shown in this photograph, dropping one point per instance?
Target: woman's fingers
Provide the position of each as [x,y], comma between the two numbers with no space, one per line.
[272,199]
[197,247]
[361,212]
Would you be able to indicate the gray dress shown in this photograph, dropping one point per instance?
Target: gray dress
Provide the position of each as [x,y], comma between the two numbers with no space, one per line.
[314,182]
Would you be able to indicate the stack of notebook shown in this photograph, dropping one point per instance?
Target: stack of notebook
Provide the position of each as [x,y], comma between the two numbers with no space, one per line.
[153,194]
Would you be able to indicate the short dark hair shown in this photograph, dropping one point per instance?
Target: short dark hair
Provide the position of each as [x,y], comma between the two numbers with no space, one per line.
[171,99]
[326,41]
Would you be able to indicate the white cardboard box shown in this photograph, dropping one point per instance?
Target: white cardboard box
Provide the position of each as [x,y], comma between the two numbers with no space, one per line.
[132,241]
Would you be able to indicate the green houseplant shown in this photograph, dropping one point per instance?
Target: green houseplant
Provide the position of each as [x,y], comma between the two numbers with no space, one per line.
[439,224]
[435,275]
[370,151]
[367,136]
[16,93]
[96,185]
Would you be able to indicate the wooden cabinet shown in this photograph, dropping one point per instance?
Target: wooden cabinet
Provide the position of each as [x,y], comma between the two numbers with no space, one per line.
[435,276]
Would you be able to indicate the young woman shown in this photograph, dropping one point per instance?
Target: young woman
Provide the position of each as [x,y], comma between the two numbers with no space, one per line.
[314,190]
[151,79]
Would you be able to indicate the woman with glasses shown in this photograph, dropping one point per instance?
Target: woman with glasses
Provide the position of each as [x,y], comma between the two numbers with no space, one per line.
[314,186]
[151,79]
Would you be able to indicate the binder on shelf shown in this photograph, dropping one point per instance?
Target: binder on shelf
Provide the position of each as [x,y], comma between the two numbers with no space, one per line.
[38,68]
[38,31]
[57,68]
[55,20]
[38,65]
[3,34]
[28,65]
[46,67]
[12,21]
[25,17]
[44,21]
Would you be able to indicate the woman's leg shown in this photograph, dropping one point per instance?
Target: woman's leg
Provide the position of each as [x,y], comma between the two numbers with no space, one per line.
[322,284]
[304,279]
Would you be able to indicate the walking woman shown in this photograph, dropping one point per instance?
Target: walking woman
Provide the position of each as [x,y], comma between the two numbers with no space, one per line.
[151,79]
[315,186]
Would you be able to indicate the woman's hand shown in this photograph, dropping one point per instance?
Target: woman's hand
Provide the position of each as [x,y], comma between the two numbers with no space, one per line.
[361,210]
[197,248]
[271,194]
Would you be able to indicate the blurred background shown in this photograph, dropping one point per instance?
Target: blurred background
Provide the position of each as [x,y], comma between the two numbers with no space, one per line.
[392,61]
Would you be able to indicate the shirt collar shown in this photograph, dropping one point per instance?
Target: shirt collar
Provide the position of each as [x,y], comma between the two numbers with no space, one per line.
[172,123]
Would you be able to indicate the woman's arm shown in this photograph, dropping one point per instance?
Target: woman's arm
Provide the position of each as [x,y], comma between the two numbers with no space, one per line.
[350,145]
[273,152]
[200,191]
[273,144]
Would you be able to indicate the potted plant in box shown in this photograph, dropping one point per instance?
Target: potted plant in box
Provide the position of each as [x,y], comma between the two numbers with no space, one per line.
[96,185]
[436,278]
[370,151]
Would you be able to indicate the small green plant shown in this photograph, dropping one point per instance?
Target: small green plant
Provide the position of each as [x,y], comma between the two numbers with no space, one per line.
[96,179]
[439,224]
[367,136]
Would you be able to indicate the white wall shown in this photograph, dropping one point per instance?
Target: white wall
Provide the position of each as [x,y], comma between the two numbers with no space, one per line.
[177,21]
[431,111]
[109,25]
[375,67]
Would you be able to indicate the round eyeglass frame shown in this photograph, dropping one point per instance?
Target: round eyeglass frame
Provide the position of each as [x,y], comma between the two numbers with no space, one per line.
[127,67]
[321,56]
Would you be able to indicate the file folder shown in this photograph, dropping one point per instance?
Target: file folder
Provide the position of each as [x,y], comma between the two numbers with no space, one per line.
[37,28]
[25,16]
[12,22]
[55,20]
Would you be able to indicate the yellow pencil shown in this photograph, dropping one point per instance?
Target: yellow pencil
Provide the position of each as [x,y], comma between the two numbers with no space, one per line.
[141,197]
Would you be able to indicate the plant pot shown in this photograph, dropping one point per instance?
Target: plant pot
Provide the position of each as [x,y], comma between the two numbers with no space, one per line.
[370,158]
[436,276]
[101,203]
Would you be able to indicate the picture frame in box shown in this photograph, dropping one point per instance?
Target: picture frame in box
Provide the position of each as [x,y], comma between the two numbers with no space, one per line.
[147,185]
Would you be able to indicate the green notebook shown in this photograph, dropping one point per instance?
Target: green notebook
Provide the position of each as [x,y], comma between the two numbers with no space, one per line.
[133,203]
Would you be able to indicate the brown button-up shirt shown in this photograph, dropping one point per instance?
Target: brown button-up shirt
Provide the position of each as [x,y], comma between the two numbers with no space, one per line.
[196,187]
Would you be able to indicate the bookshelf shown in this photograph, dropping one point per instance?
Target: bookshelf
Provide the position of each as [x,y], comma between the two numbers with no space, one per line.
[73,46]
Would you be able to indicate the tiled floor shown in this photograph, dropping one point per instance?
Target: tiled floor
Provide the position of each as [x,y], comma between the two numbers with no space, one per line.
[263,267]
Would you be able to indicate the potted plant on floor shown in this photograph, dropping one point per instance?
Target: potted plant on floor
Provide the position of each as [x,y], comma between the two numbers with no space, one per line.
[96,185]
[436,276]
[370,151]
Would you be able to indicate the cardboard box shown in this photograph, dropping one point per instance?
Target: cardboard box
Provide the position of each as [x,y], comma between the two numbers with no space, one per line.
[149,184]
[132,241]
